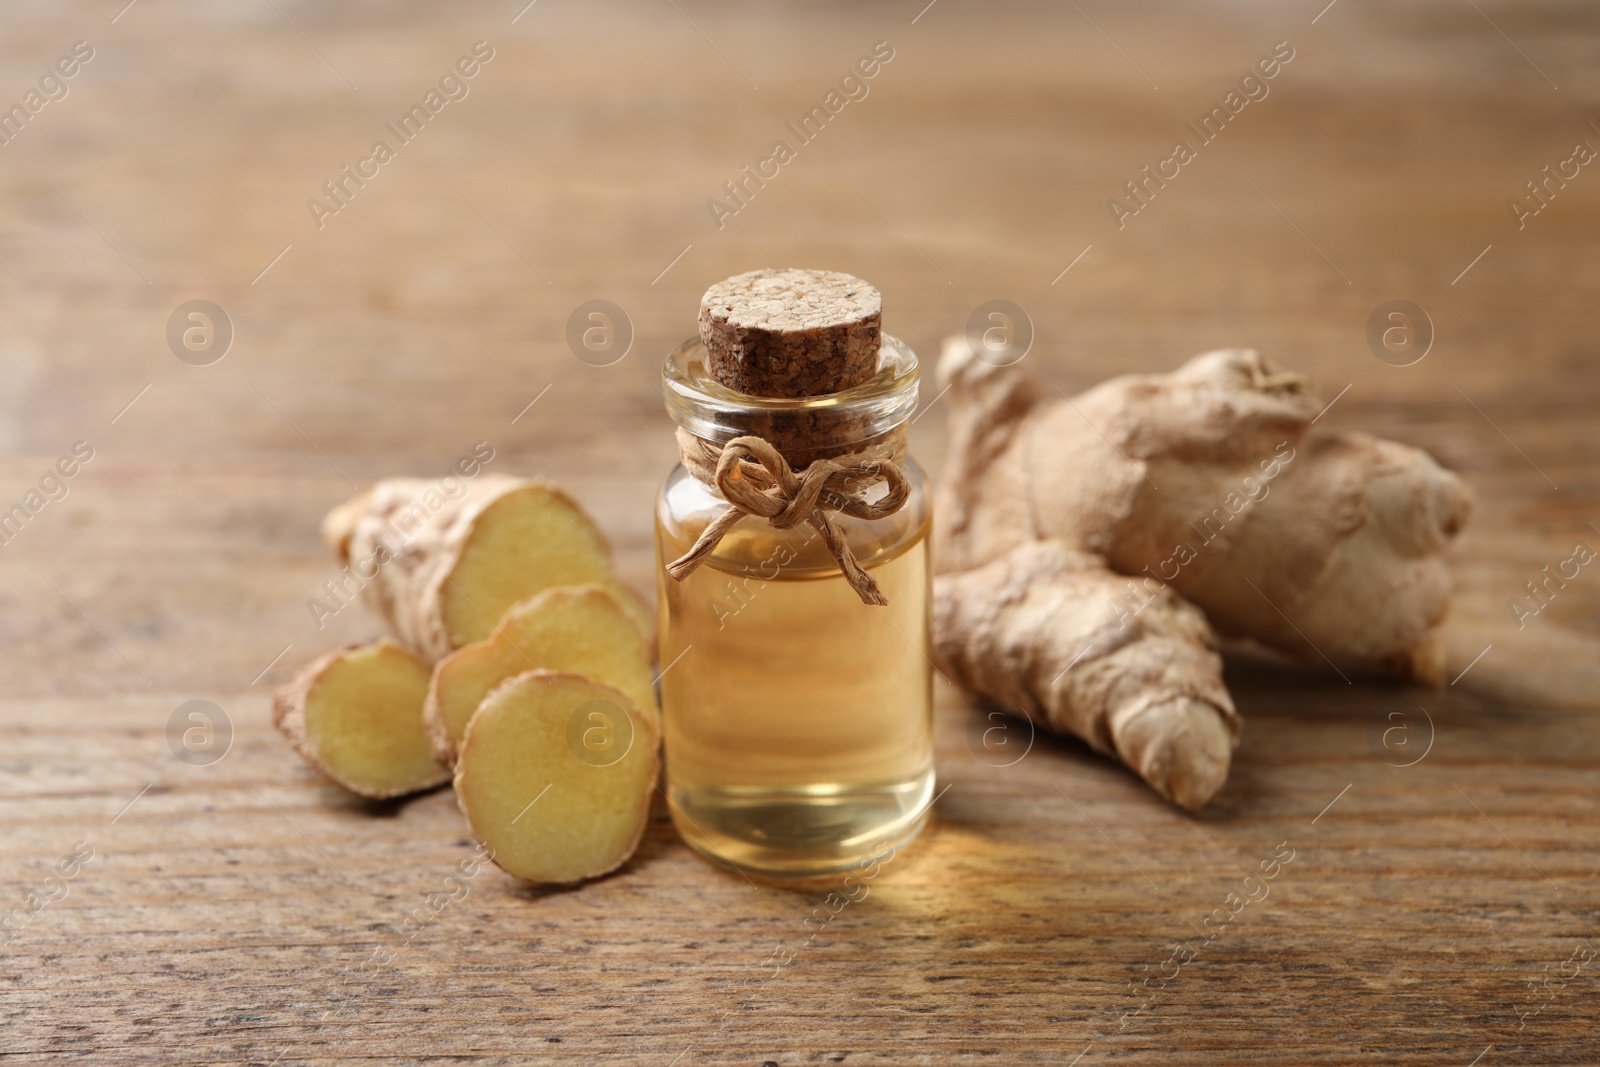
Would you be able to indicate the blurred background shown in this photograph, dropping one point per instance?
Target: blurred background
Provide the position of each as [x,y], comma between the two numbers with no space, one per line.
[183,160]
[426,313]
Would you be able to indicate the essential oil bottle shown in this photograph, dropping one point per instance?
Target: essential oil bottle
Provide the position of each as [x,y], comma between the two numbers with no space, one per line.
[796,689]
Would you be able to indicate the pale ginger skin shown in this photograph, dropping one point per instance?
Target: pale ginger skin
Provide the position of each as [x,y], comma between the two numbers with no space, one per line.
[1210,480]
[1032,632]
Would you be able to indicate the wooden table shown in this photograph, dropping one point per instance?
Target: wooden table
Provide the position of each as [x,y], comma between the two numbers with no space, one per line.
[243,911]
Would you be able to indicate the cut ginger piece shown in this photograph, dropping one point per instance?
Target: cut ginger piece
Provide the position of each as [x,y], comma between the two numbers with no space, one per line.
[528,540]
[356,715]
[443,568]
[555,774]
[582,629]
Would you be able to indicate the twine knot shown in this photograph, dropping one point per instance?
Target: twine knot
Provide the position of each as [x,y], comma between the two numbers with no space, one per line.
[755,479]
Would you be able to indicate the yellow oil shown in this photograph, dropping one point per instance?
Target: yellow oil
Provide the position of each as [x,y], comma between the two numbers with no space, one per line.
[798,720]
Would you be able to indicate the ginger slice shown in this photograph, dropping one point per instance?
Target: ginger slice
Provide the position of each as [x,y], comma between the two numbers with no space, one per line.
[555,774]
[443,569]
[526,541]
[583,629]
[356,715]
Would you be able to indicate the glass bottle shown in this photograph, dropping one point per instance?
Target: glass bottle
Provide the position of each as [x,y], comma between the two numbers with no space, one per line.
[798,720]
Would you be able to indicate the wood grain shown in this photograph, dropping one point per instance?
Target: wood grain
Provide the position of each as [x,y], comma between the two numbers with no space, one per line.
[231,912]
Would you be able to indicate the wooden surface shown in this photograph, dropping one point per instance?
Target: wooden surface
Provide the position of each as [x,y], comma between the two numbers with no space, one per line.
[245,912]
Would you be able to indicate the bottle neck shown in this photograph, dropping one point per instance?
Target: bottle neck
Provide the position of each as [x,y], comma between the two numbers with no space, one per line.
[866,418]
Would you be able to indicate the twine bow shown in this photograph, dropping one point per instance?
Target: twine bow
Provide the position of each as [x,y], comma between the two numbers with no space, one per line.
[755,479]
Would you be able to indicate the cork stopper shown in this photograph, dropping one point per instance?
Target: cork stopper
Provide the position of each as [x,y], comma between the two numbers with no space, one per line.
[791,333]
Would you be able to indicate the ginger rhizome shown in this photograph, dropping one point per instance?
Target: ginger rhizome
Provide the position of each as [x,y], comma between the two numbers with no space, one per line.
[555,775]
[1212,482]
[355,714]
[442,571]
[1031,632]
[578,629]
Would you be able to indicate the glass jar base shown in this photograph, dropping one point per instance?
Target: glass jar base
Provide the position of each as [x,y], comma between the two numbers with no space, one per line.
[801,832]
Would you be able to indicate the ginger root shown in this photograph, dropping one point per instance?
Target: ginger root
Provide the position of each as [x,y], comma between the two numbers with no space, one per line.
[1212,481]
[1031,632]
[582,629]
[555,775]
[442,570]
[355,714]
